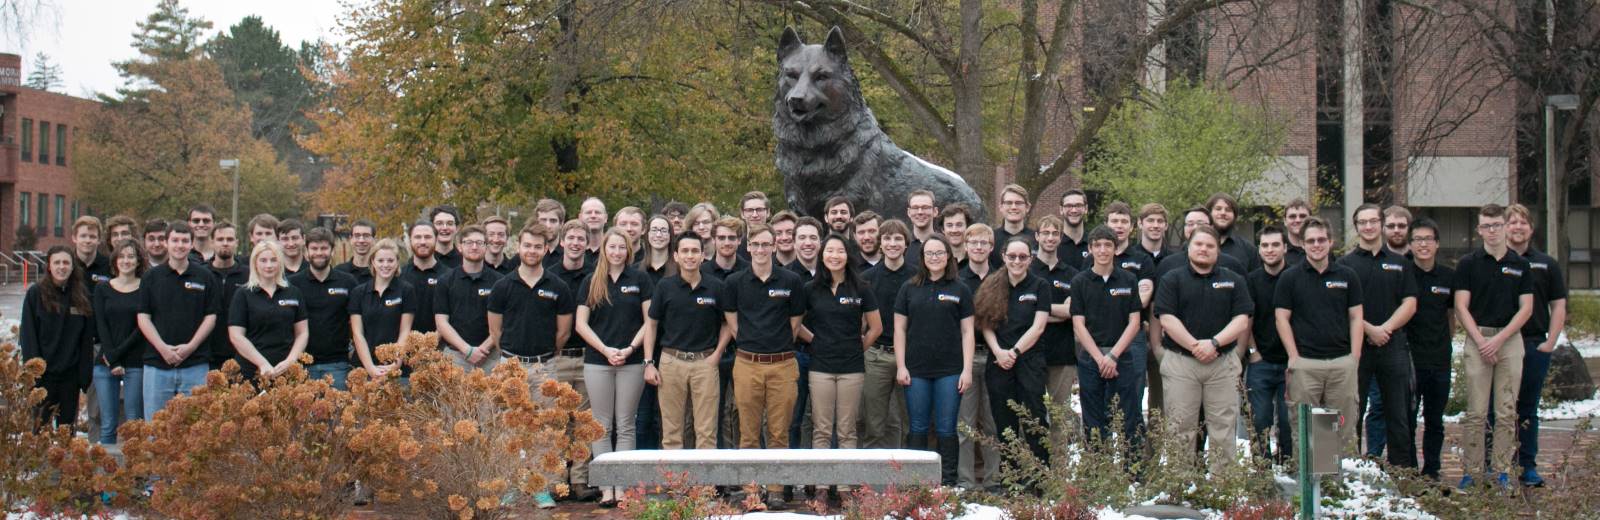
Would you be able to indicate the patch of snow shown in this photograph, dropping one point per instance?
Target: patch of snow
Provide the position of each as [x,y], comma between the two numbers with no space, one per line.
[936,168]
[1572,410]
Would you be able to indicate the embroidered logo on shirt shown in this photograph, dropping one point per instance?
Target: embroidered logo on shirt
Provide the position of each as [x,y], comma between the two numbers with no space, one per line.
[1121,291]
[847,300]
[391,302]
[949,298]
[100,278]
[1393,267]
[547,294]
[777,293]
[1510,271]
[705,301]
[1444,291]
[1061,285]
[1225,284]
[628,289]
[1536,265]
[433,281]
[194,286]
[1337,284]
[338,291]
[1131,265]
[485,291]
[1030,297]
[288,303]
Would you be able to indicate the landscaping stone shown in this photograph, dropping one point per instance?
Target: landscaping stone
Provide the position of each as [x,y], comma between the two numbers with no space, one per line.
[790,467]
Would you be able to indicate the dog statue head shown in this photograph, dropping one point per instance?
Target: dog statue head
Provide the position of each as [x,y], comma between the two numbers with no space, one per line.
[815,82]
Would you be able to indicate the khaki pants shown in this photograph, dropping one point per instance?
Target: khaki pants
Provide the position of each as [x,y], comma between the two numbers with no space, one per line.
[1214,386]
[1505,377]
[1058,385]
[765,390]
[1326,383]
[686,386]
[835,401]
[487,364]
[569,370]
[975,413]
[884,418]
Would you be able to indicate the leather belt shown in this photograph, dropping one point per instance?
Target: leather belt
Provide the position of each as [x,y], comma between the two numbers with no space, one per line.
[766,358]
[527,359]
[686,356]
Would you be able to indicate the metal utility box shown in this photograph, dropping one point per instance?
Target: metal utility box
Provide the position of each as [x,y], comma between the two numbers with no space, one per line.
[1325,443]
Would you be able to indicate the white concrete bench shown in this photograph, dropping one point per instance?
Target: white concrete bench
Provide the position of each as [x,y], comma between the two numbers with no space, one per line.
[876,468]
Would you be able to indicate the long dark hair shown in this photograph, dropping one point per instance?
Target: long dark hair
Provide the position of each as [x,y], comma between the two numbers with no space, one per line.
[989,308]
[950,270]
[824,279]
[76,293]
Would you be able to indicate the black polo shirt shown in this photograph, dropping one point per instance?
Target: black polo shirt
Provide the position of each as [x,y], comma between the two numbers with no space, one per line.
[1032,295]
[834,319]
[933,312]
[528,312]
[1179,259]
[1135,261]
[1155,256]
[268,321]
[361,274]
[1264,326]
[327,305]
[710,269]
[426,282]
[464,298]
[1204,302]
[1549,284]
[1496,285]
[1075,252]
[971,279]
[381,312]
[451,259]
[1002,237]
[232,279]
[1057,340]
[655,275]
[1385,282]
[1242,250]
[691,319]
[292,269]
[1320,305]
[619,321]
[885,284]
[97,271]
[1293,255]
[1428,332]
[763,308]
[574,279]
[506,266]
[177,303]
[798,268]
[1104,303]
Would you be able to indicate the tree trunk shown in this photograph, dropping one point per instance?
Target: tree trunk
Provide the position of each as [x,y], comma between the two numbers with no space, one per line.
[971,161]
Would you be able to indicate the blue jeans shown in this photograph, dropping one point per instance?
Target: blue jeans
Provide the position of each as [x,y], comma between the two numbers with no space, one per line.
[937,398]
[1266,384]
[120,398]
[339,370]
[1433,391]
[802,402]
[647,421]
[1376,427]
[1535,367]
[1096,393]
[163,384]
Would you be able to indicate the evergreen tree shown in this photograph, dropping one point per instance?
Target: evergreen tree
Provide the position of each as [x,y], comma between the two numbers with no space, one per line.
[45,75]
[268,77]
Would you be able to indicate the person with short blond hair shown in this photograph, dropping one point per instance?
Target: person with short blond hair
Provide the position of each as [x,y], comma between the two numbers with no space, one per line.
[86,244]
[883,409]
[1539,336]
[1059,352]
[1015,205]
[975,408]
[1152,224]
[921,208]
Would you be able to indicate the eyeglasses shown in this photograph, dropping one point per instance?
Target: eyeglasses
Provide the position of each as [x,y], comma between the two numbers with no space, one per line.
[1018,258]
[920,208]
[200,221]
[1014,203]
[472,243]
[936,254]
[659,231]
[1075,205]
[727,238]
[755,210]
[1368,222]
[1490,227]
[979,242]
[1318,240]
[1397,226]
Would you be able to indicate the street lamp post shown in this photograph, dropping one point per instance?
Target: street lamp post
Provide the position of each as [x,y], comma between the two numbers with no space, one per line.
[232,165]
[1553,190]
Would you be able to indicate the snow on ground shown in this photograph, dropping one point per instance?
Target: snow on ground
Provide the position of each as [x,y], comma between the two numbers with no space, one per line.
[1372,495]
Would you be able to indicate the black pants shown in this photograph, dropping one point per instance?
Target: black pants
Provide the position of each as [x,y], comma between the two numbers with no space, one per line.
[1391,366]
[60,405]
[1433,391]
[1023,384]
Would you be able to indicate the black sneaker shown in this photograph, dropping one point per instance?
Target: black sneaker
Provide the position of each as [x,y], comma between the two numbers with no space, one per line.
[775,503]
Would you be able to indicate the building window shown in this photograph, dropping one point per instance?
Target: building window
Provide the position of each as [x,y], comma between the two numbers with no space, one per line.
[44,215]
[75,213]
[44,142]
[25,208]
[61,213]
[61,145]
[27,140]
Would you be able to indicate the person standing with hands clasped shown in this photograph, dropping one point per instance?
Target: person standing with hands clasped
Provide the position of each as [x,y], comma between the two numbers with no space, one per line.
[933,343]
[1319,322]
[1493,301]
[841,321]
[1105,310]
[1204,311]
[1012,310]
[266,322]
[382,309]
[612,304]
[691,341]
[116,307]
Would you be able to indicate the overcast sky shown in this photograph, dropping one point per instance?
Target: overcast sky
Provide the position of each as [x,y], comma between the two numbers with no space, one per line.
[84,37]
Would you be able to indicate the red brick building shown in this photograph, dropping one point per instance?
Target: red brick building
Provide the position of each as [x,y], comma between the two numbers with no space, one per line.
[37,129]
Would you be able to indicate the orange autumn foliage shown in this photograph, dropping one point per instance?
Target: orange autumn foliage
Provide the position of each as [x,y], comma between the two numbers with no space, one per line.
[47,470]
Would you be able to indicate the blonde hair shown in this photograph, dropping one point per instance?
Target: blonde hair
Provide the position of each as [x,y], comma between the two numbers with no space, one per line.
[390,245]
[263,247]
[598,292]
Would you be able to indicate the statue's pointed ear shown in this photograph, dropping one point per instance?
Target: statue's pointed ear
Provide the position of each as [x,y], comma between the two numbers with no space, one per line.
[788,42]
[835,44]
